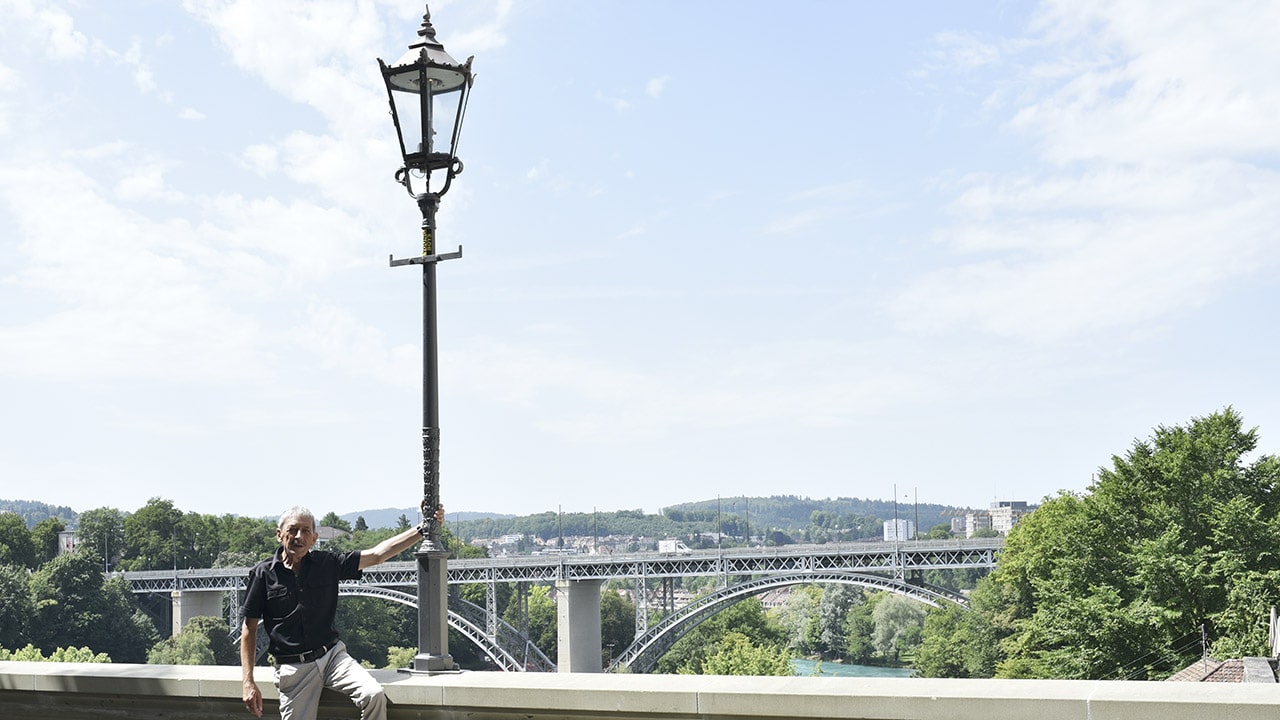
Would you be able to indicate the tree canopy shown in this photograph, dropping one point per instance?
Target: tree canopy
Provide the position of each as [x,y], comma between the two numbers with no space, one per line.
[1179,536]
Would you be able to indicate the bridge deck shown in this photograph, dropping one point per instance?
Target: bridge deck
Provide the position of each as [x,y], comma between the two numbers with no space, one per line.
[886,558]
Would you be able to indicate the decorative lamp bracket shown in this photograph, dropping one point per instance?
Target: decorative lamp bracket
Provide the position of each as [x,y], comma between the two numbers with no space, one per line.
[425,259]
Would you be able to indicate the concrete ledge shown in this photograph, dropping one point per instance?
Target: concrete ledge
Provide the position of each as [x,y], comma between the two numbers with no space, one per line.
[62,690]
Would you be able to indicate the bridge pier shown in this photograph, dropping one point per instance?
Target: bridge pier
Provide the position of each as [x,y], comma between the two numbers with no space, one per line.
[188,604]
[578,637]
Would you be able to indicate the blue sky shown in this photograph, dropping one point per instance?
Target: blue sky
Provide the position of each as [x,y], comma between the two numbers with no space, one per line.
[711,249]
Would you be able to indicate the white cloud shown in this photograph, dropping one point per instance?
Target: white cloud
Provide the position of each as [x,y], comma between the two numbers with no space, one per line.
[1184,81]
[107,150]
[813,384]
[48,27]
[190,114]
[1153,196]
[631,232]
[339,339]
[262,159]
[655,87]
[142,75]
[145,181]
[133,295]
[619,105]
[964,51]
[317,53]
[489,35]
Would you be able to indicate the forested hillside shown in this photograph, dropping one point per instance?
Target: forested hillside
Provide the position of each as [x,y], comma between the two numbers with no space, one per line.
[33,512]
[778,520]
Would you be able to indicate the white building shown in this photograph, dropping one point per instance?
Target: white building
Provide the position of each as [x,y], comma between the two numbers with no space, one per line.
[1006,513]
[973,522]
[895,530]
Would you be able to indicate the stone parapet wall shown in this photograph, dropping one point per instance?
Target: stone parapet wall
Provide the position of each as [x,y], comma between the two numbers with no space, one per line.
[60,690]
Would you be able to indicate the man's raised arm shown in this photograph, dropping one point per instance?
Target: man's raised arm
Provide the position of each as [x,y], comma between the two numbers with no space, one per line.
[396,544]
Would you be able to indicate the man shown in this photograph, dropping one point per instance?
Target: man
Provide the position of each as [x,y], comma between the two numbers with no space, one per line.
[295,594]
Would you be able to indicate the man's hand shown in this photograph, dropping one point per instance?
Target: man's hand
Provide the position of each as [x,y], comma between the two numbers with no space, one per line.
[396,544]
[439,513]
[252,698]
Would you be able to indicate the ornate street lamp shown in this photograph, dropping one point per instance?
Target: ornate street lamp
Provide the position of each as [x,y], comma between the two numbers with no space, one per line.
[428,92]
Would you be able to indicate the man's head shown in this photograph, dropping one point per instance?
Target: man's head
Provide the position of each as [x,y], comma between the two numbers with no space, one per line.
[296,532]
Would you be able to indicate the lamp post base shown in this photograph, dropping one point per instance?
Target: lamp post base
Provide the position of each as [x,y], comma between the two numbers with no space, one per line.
[432,665]
[433,612]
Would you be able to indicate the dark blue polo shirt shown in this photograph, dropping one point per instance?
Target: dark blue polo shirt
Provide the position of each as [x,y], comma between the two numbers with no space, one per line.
[299,611]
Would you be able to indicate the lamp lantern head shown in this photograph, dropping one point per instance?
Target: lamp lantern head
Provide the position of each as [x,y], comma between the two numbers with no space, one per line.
[428,91]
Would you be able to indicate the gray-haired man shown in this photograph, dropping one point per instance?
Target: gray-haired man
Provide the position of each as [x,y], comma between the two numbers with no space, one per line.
[295,595]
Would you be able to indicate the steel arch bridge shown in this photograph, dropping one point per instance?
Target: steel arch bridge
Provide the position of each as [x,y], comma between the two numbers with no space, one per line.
[896,567]
[470,620]
[643,654]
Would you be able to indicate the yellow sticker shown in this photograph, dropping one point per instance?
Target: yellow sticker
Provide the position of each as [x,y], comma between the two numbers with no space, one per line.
[428,246]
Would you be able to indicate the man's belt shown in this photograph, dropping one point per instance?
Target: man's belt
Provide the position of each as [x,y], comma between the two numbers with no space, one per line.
[305,657]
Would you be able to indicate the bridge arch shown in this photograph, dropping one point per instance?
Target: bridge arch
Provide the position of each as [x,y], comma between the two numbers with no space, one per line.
[468,619]
[643,653]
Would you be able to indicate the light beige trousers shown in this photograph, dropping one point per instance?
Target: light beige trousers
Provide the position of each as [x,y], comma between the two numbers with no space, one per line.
[300,685]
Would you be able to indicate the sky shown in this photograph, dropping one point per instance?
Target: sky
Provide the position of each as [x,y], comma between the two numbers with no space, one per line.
[957,251]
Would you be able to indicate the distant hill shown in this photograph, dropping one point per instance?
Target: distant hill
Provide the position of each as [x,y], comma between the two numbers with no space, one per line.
[390,517]
[793,512]
[789,514]
[33,512]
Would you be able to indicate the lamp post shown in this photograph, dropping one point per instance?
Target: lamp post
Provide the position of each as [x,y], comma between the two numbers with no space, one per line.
[428,92]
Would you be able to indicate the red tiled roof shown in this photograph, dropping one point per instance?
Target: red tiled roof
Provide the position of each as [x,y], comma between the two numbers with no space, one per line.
[1209,670]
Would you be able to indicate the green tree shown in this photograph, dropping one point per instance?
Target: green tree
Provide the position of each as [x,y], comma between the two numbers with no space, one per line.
[151,536]
[941,652]
[74,607]
[17,613]
[617,623]
[45,537]
[199,540]
[798,619]
[959,642]
[401,657]
[233,559]
[859,628]
[897,625]
[101,531]
[370,625]
[204,641]
[1180,532]
[745,616]
[31,653]
[332,520]
[193,646]
[542,618]
[833,612]
[737,655]
[254,537]
[16,545]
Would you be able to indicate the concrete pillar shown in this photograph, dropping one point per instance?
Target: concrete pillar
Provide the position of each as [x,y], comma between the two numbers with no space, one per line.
[578,639]
[194,603]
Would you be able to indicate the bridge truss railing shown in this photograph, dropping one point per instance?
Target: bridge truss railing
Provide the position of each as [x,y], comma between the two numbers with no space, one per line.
[897,559]
[739,566]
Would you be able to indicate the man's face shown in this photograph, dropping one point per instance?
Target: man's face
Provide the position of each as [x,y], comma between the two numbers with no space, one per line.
[296,536]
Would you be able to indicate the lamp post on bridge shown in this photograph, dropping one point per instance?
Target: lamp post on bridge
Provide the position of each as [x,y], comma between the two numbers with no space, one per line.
[428,92]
